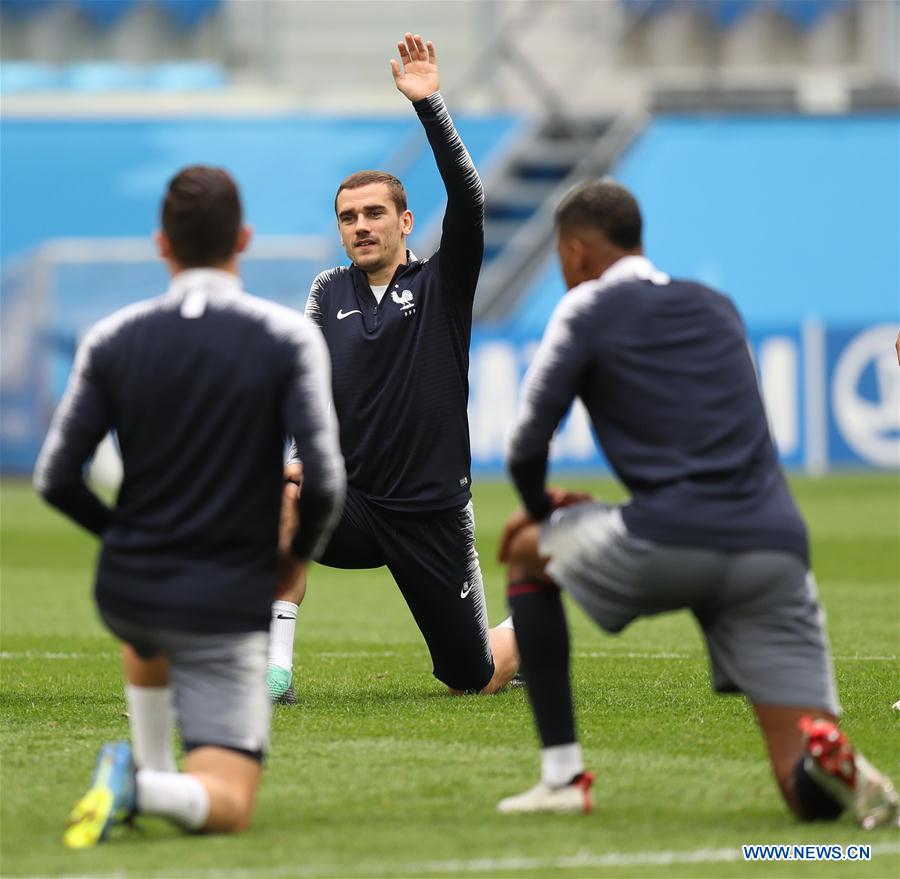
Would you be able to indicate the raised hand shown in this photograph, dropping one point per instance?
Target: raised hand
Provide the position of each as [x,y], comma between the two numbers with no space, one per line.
[418,78]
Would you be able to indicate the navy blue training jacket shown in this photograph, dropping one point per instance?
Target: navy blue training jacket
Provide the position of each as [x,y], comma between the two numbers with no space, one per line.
[400,369]
[664,370]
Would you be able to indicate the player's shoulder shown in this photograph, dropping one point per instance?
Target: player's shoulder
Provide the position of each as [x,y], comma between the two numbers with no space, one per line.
[277,320]
[108,329]
[328,278]
[579,302]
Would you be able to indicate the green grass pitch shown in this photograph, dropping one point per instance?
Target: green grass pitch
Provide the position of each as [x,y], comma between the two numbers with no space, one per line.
[378,773]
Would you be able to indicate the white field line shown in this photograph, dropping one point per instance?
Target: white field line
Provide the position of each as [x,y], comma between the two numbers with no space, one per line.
[43,654]
[363,654]
[352,654]
[621,654]
[579,861]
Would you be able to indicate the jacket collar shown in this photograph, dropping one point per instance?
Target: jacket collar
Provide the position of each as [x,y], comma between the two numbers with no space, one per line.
[631,268]
[211,281]
[411,260]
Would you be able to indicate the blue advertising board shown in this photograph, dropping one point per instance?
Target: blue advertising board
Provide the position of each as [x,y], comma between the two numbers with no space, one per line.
[832,396]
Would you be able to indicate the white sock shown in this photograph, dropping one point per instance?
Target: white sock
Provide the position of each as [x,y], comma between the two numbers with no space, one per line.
[560,764]
[281,634]
[152,717]
[174,795]
[506,624]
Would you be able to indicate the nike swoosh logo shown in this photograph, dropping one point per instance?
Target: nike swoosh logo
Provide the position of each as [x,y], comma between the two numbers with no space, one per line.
[282,616]
[342,314]
[467,588]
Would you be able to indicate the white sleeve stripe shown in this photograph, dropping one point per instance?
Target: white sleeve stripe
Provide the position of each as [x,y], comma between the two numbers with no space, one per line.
[102,333]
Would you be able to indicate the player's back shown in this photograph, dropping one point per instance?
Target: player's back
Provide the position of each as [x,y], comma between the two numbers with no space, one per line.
[195,384]
[197,408]
[675,403]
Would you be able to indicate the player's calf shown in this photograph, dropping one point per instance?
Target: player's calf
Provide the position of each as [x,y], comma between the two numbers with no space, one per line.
[818,771]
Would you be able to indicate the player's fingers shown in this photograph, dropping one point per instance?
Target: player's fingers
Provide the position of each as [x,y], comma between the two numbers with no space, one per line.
[395,70]
[506,538]
[404,51]
[293,472]
[503,546]
[410,46]
[432,54]
[420,47]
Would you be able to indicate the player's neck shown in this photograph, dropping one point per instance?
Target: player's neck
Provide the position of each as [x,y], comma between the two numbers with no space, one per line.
[230,266]
[383,276]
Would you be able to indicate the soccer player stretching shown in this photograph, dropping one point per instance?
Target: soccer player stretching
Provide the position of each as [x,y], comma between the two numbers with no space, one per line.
[398,330]
[201,385]
[664,369]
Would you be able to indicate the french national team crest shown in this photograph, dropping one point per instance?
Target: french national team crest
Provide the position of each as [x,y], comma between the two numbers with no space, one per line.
[405,301]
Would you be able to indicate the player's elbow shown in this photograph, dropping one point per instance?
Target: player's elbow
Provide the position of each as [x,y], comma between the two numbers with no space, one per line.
[44,483]
[54,491]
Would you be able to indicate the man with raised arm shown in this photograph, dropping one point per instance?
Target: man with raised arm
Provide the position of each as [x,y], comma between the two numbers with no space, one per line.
[398,329]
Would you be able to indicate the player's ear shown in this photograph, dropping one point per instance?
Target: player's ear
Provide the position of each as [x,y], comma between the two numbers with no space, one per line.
[160,239]
[583,257]
[244,237]
[406,222]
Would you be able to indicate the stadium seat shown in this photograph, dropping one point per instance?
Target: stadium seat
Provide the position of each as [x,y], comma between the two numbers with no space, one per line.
[23,8]
[105,13]
[187,14]
[726,14]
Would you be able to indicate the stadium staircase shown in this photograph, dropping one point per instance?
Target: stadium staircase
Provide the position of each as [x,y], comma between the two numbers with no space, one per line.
[522,194]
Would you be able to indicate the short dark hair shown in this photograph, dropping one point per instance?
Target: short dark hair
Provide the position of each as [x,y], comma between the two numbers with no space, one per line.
[603,205]
[201,216]
[364,178]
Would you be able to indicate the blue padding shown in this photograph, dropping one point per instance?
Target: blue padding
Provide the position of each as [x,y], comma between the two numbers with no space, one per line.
[29,76]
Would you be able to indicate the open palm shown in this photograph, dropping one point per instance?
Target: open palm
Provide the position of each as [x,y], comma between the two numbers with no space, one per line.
[418,78]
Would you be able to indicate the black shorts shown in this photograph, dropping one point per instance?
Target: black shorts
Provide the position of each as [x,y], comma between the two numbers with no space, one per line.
[432,558]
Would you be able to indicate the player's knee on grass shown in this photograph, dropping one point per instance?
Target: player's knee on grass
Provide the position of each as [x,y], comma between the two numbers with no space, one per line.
[505,655]
[505,652]
[231,780]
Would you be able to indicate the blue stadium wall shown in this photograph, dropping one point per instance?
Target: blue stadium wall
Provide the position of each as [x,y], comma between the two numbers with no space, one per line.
[796,218]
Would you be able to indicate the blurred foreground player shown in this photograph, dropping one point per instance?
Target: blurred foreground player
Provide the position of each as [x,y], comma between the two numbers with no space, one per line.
[398,329]
[664,370]
[200,385]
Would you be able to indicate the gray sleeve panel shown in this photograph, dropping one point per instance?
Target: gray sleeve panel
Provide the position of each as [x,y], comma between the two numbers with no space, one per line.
[548,389]
[80,421]
[317,293]
[309,418]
